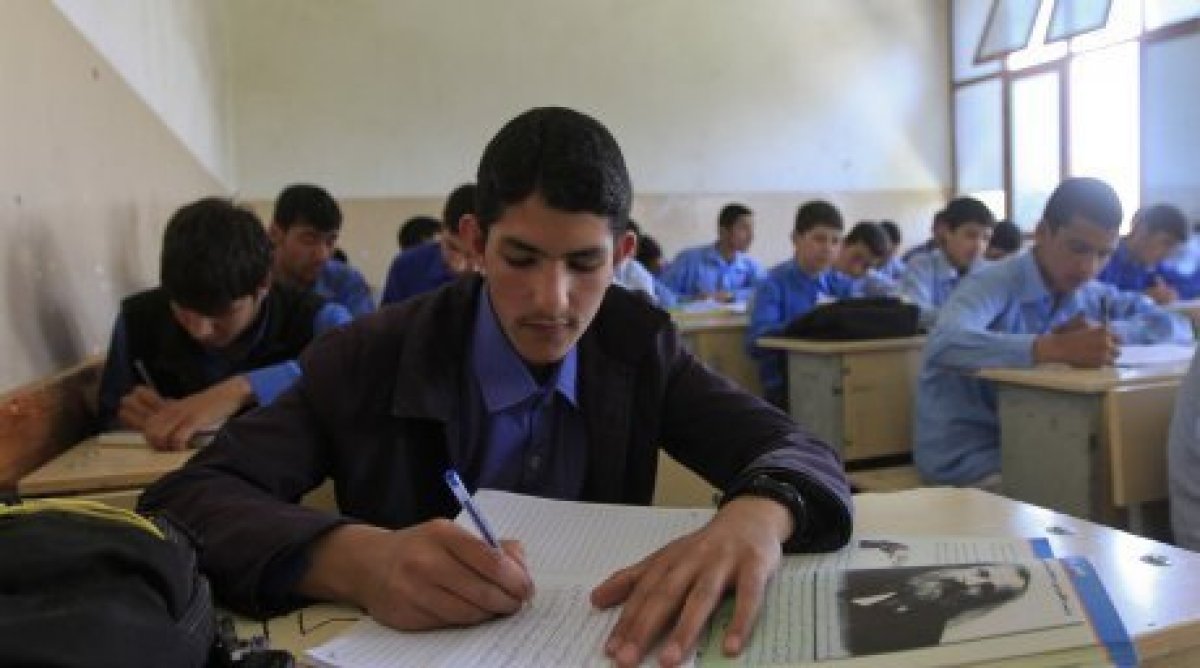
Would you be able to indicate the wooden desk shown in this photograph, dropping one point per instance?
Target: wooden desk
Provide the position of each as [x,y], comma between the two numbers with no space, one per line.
[1088,442]
[719,340]
[92,468]
[1159,605]
[856,395]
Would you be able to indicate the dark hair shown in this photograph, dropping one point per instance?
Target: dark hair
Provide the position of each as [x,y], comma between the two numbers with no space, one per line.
[648,250]
[417,230]
[1006,236]
[816,213]
[568,158]
[340,255]
[731,213]
[1086,197]
[461,202]
[869,235]
[892,230]
[632,226]
[1162,218]
[963,210]
[305,204]
[213,253]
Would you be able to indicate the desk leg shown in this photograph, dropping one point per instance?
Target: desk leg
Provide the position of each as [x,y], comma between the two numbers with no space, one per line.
[1050,450]
[815,395]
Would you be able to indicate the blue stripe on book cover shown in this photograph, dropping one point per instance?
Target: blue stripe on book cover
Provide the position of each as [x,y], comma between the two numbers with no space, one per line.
[1041,548]
[1105,620]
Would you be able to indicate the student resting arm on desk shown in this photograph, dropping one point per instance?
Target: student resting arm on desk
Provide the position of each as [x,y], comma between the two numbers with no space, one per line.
[1041,306]
[539,378]
[214,338]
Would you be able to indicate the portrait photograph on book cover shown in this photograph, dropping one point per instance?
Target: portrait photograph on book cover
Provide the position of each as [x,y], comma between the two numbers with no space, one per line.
[893,609]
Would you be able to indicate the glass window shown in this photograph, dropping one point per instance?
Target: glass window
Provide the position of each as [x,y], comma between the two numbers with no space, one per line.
[1104,88]
[1009,27]
[1035,145]
[1170,109]
[1038,51]
[1076,17]
[979,143]
[1165,12]
[970,17]
[1124,23]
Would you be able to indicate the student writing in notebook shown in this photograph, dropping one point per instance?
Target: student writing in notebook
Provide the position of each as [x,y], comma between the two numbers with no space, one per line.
[1041,306]
[537,376]
[214,338]
[932,276]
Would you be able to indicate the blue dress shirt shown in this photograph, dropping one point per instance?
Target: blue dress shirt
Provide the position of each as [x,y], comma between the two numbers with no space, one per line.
[703,270]
[343,284]
[785,294]
[871,284]
[1126,273]
[992,320]
[415,271]
[894,268]
[929,281]
[1183,461]
[516,434]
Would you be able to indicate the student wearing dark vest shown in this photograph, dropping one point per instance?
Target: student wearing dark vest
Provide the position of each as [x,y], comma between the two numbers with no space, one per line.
[215,337]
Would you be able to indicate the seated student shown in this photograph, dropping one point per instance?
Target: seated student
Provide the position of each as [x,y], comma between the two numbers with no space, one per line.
[932,276]
[650,255]
[1006,240]
[722,271]
[936,229]
[630,273]
[305,229]
[792,288]
[417,230]
[214,338]
[536,376]
[1040,306]
[434,264]
[892,266]
[862,251]
[1183,461]
[1137,265]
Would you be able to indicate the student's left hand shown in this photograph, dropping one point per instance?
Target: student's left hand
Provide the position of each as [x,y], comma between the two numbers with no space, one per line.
[685,581]
[1161,293]
[172,427]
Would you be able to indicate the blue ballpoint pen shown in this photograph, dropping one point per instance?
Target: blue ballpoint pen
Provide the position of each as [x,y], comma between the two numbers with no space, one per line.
[468,504]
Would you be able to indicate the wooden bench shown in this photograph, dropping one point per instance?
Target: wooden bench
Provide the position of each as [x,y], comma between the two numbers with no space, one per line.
[888,479]
[40,420]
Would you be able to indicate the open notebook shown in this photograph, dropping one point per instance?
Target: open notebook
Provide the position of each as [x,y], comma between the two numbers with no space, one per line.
[1060,612]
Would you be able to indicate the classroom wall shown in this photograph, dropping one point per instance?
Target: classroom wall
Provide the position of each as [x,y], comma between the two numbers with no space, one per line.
[88,176]
[389,102]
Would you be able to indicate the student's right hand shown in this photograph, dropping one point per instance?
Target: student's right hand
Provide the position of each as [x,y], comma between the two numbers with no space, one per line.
[173,427]
[1161,293]
[433,575]
[1088,347]
[138,406]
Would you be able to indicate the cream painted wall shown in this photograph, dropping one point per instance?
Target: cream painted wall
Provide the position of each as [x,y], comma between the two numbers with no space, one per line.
[88,177]
[174,54]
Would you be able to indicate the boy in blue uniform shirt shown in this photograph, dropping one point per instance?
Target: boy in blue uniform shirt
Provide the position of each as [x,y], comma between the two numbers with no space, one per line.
[932,276]
[1138,263]
[857,262]
[434,263]
[722,271]
[794,287]
[1038,307]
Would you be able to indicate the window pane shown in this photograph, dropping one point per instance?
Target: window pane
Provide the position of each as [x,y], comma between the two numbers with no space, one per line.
[1170,109]
[979,142]
[1038,51]
[1165,12]
[1104,120]
[1035,144]
[1075,17]
[1124,23]
[970,17]
[1009,28]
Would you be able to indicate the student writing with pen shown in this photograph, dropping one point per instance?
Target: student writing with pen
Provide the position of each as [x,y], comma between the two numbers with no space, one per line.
[536,376]
[214,338]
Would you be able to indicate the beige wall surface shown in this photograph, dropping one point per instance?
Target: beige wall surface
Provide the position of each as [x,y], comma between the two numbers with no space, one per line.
[88,177]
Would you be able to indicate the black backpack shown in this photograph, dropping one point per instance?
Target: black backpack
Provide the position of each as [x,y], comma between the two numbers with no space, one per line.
[85,584]
[856,319]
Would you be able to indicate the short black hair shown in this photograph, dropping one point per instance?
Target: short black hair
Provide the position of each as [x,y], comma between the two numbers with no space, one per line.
[632,226]
[817,213]
[892,230]
[730,214]
[340,255]
[214,252]
[306,204]
[648,250]
[870,235]
[1006,236]
[568,158]
[461,202]
[1086,197]
[1162,218]
[963,210]
[417,230]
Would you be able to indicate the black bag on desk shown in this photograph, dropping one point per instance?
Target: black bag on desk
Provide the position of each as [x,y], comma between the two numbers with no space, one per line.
[856,319]
[85,584]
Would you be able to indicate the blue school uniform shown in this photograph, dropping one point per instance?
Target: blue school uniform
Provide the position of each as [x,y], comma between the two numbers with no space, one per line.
[929,281]
[703,270]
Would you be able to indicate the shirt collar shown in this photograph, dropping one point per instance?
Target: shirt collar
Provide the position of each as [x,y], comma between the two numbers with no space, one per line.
[503,378]
[713,254]
[1033,285]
